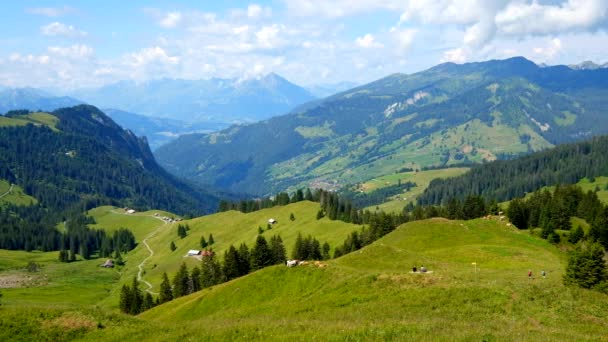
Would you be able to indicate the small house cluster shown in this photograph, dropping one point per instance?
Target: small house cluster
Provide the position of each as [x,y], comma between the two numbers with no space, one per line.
[168,219]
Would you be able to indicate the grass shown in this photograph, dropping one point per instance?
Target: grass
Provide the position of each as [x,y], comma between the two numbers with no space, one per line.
[234,228]
[15,196]
[422,180]
[371,294]
[38,118]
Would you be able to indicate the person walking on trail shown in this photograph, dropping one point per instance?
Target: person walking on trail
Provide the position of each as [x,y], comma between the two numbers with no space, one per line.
[414,269]
[422,269]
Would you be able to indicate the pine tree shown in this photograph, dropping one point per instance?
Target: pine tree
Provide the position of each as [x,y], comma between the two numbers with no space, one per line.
[118,258]
[586,266]
[181,282]
[325,251]
[63,255]
[181,231]
[166,294]
[210,240]
[231,263]
[244,259]
[148,302]
[72,256]
[195,279]
[292,217]
[172,246]
[320,214]
[298,248]
[278,250]
[211,272]
[125,299]
[137,298]
[261,255]
[576,235]
[203,242]
[308,195]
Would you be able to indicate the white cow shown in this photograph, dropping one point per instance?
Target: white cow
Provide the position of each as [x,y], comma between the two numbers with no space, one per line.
[292,263]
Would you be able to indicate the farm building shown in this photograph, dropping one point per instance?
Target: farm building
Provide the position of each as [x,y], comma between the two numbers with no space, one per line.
[194,252]
[272,221]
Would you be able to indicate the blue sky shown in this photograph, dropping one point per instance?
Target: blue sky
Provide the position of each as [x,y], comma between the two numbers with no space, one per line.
[73,44]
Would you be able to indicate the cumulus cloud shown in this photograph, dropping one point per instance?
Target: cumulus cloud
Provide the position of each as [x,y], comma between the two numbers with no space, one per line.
[548,52]
[455,56]
[338,8]
[170,20]
[533,18]
[150,55]
[368,41]
[75,51]
[51,11]
[57,29]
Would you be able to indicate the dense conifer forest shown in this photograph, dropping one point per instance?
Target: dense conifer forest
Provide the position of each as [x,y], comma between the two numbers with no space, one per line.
[504,180]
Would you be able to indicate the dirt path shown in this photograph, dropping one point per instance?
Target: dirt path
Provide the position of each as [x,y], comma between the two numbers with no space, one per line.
[10,189]
[145,242]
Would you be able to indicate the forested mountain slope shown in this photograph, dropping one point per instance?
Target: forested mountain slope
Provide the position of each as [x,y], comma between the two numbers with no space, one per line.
[449,114]
[79,154]
[504,180]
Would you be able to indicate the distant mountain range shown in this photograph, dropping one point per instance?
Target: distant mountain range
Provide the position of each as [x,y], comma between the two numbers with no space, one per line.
[215,100]
[33,99]
[449,114]
[159,131]
[79,155]
[588,65]
[327,89]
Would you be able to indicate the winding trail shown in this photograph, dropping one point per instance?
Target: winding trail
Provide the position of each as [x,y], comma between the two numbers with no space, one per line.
[145,242]
[10,189]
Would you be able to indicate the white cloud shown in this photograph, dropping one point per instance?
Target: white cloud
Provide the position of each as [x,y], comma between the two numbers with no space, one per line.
[150,55]
[338,8]
[257,11]
[549,51]
[368,41]
[268,36]
[74,51]
[533,18]
[403,38]
[51,11]
[455,56]
[57,29]
[170,20]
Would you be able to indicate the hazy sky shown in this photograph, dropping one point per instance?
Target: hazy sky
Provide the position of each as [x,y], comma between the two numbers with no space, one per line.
[70,44]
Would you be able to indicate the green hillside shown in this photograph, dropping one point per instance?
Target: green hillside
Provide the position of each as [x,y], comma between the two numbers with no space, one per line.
[11,193]
[506,179]
[234,228]
[371,294]
[422,180]
[447,115]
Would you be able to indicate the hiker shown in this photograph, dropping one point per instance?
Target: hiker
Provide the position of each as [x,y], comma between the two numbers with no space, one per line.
[414,269]
[530,274]
[543,273]
[422,269]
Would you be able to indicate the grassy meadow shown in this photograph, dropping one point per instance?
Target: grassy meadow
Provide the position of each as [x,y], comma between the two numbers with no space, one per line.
[477,287]
[421,178]
[372,295]
[15,195]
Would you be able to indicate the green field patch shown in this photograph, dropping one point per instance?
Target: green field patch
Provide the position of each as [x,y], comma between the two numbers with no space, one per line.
[568,119]
[315,131]
[38,119]
[12,193]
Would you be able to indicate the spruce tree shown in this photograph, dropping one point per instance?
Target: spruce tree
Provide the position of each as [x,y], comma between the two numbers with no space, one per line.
[195,279]
[299,250]
[231,263]
[203,242]
[278,250]
[181,282]
[576,235]
[211,272]
[166,294]
[172,246]
[125,299]
[148,302]
[261,255]
[137,298]
[210,240]
[181,231]
[244,259]
[325,251]
[292,217]
[586,266]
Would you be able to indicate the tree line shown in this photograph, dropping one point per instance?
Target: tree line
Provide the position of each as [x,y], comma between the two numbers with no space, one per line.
[506,179]
[281,198]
